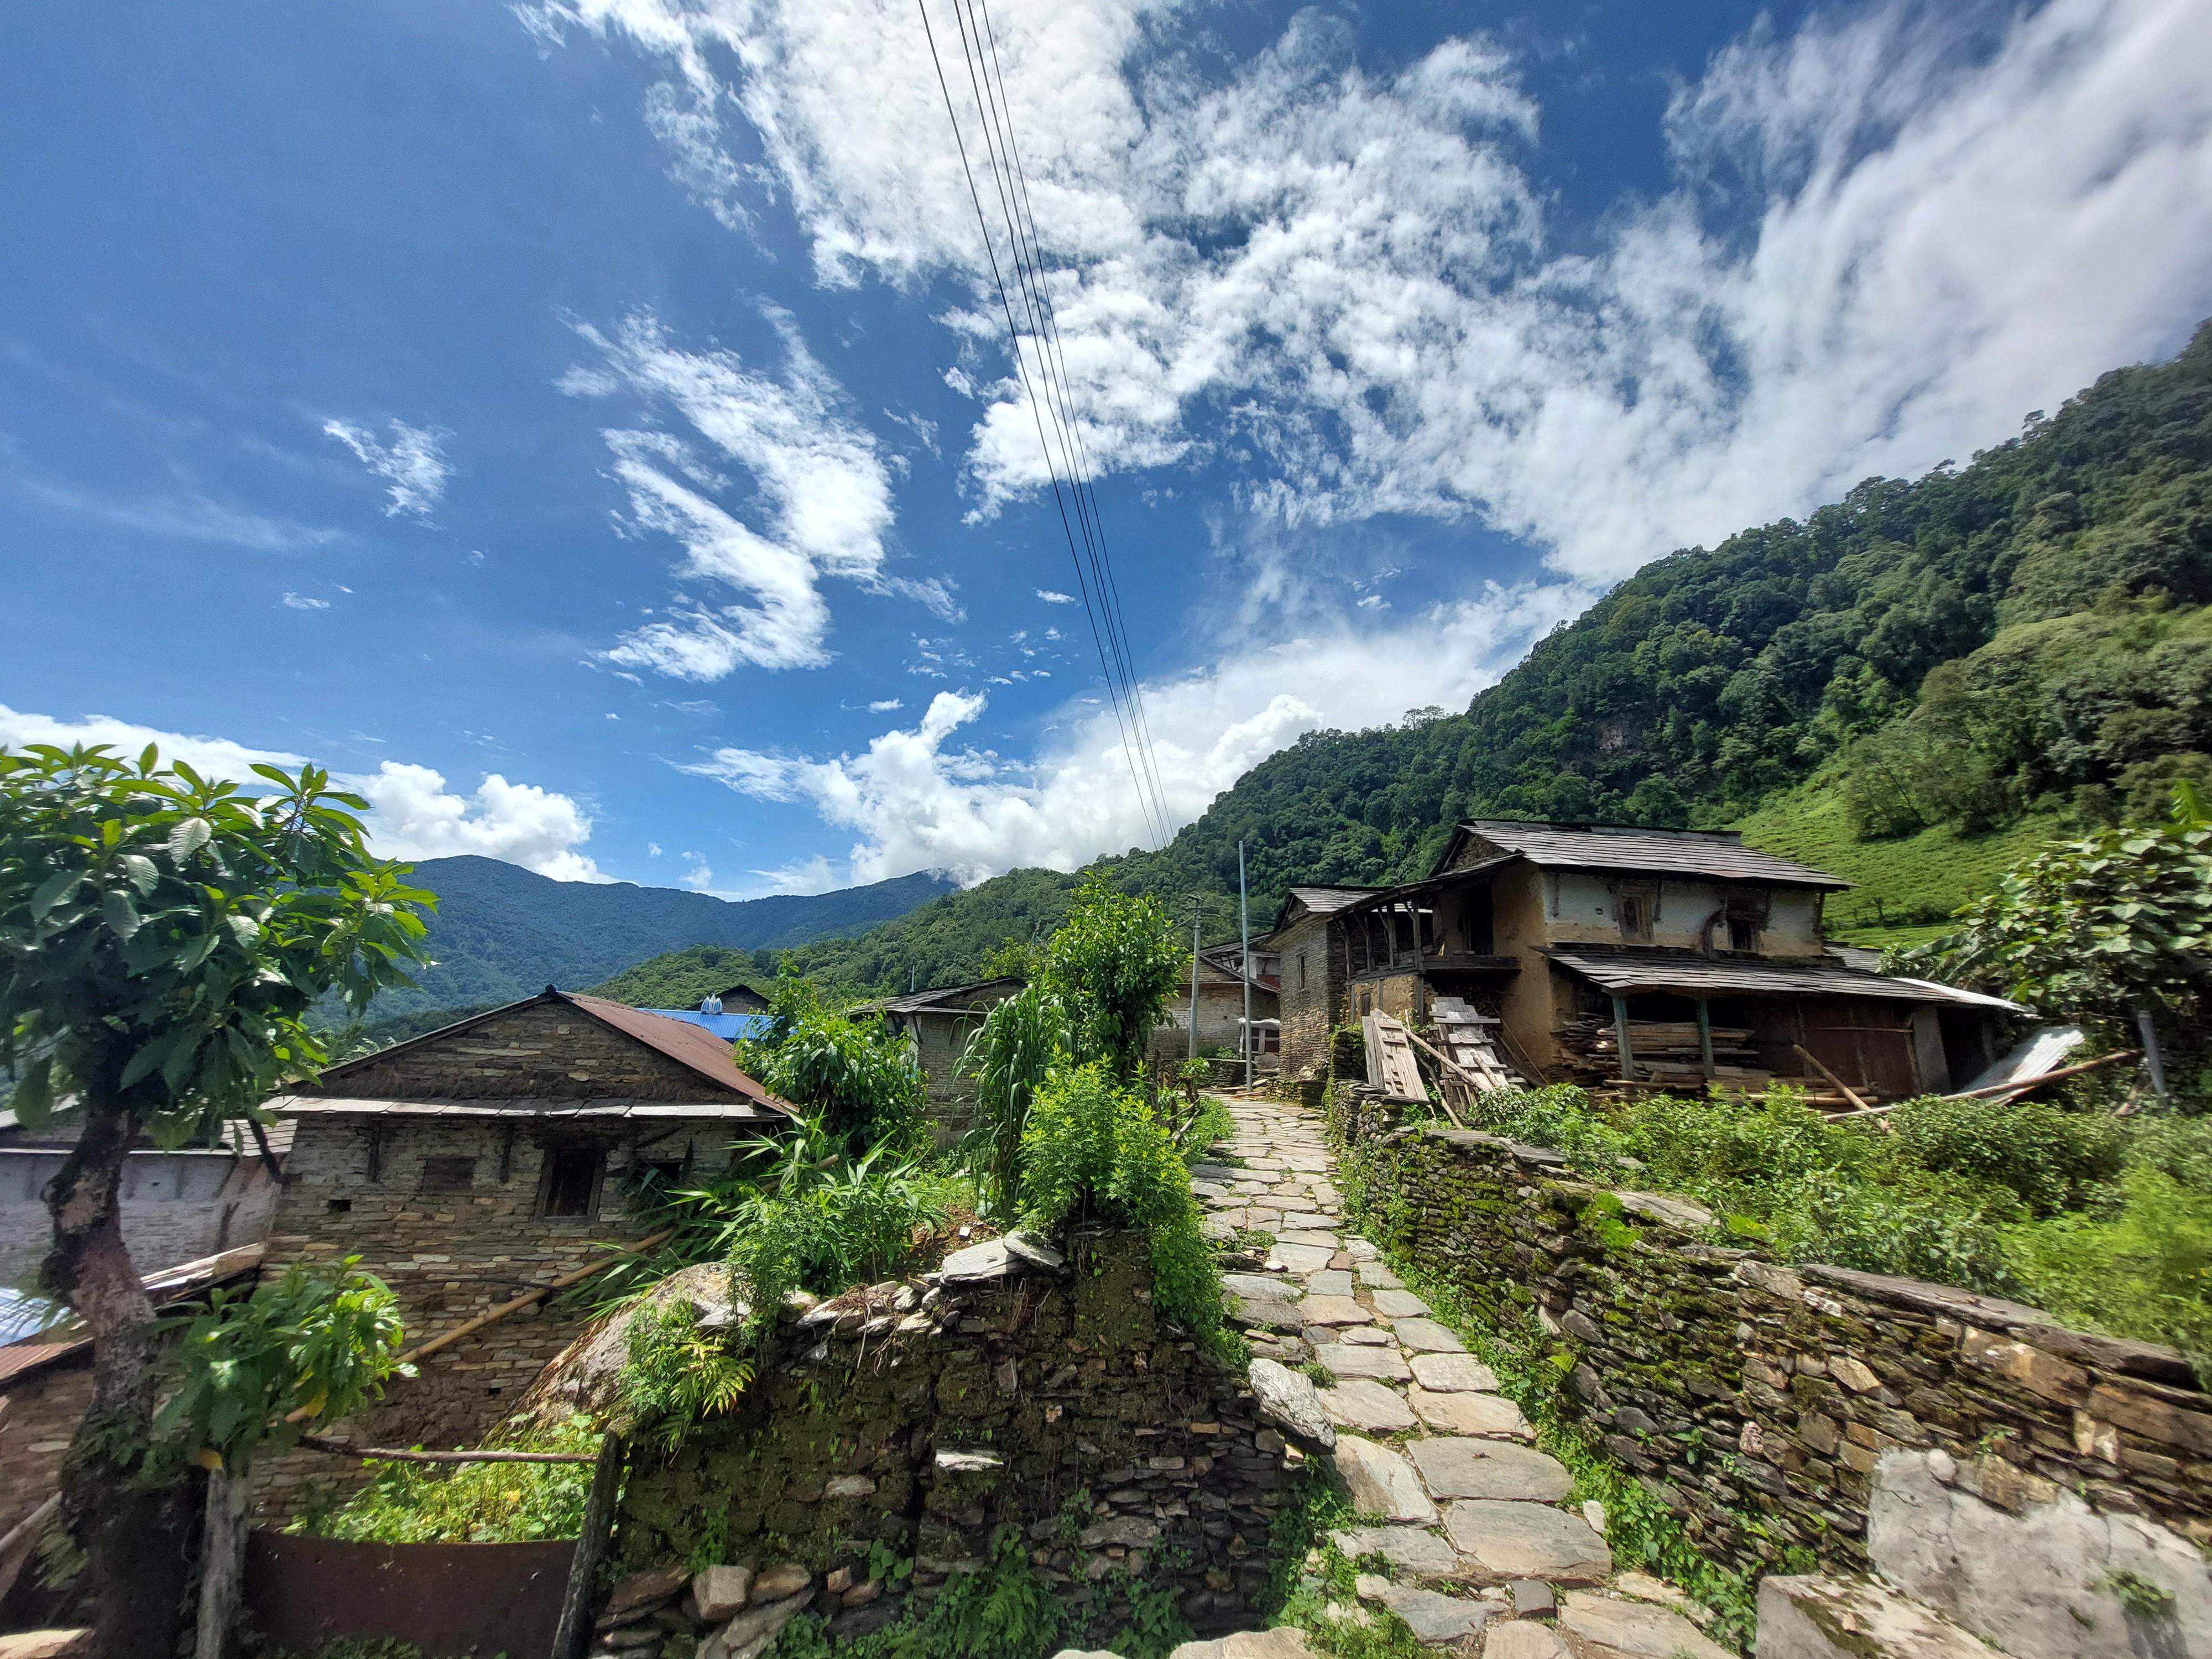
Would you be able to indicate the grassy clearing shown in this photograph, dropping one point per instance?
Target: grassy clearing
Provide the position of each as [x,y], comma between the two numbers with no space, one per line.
[1916,880]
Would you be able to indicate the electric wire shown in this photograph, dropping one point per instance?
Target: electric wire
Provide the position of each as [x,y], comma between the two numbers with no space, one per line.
[1022,218]
[1049,398]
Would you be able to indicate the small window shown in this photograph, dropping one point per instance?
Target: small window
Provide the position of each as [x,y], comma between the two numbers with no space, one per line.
[1743,934]
[1302,970]
[572,1180]
[341,1206]
[448,1175]
[1637,905]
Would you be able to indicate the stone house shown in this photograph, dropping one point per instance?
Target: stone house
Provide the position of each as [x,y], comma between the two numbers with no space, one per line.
[1616,956]
[939,1022]
[179,1204]
[1312,981]
[471,1164]
[1221,1008]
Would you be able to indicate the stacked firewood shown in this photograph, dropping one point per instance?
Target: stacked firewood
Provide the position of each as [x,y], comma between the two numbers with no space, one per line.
[1664,1053]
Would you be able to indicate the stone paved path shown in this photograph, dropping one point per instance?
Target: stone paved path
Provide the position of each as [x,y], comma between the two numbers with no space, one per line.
[1472,1517]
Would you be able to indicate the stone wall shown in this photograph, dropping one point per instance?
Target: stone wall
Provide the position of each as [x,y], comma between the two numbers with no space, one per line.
[1756,1399]
[929,1417]
[177,1207]
[41,1414]
[450,1255]
[541,1050]
[1312,998]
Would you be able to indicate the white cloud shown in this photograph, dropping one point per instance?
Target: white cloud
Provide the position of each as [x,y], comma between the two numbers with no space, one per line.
[917,799]
[412,816]
[1051,597]
[1891,233]
[186,517]
[885,705]
[216,758]
[822,484]
[416,817]
[413,465]
[304,602]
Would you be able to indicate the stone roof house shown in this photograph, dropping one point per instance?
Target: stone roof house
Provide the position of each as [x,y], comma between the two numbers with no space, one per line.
[474,1163]
[939,1022]
[1618,956]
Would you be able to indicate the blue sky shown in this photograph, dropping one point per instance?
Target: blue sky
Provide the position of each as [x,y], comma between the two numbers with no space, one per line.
[588,423]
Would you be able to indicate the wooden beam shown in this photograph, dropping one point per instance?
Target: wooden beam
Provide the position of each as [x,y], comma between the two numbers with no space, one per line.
[1812,1059]
[2021,1086]
[1620,1036]
[1705,1039]
[472,1326]
[393,1454]
[1444,1099]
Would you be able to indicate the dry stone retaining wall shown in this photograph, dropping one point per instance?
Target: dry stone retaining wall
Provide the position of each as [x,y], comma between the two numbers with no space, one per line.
[928,1416]
[1756,1399]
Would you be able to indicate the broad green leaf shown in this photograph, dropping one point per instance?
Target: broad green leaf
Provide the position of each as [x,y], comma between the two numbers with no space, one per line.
[33,1099]
[52,891]
[120,914]
[187,838]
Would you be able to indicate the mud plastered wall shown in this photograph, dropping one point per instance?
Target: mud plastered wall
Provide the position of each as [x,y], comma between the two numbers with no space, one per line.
[1756,1399]
[1055,1403]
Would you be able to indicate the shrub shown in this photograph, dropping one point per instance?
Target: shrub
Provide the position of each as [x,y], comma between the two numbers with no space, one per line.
[859,1077]
[2053,1160]
[468,1503]
[1097,1155]
[817,1218]
[2146,1272]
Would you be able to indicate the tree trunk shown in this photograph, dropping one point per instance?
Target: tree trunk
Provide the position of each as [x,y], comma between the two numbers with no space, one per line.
[135,1538]
[223,1564]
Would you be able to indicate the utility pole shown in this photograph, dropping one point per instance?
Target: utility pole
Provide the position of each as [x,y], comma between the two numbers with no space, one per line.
[1244,961]
[1197,910]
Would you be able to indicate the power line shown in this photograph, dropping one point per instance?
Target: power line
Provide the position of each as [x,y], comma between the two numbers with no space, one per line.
[1049,396]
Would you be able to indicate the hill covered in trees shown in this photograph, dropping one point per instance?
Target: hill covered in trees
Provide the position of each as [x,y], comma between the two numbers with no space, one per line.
[1913,685]
[502,933]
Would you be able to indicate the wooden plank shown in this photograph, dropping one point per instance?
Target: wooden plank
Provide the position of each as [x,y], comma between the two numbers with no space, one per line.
[1813,1061]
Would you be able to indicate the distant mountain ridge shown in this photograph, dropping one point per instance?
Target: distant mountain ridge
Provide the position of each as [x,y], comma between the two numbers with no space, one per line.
[502,933]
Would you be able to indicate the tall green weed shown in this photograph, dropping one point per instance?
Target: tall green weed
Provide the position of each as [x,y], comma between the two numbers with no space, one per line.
[1098,1156]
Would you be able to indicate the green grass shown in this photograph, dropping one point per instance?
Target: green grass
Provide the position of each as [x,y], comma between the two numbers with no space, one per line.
[1916,881]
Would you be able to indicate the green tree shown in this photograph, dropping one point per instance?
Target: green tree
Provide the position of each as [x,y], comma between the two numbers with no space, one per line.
[2117,924]
[253,1371]
[1114,963]
[162,937]
[860,1076]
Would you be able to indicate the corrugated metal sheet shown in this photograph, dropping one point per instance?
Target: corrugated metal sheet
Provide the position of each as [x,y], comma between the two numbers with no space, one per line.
[1627,972]
[1327,901]
[719,1111]
[2043,1049]
[1716,853]
[186,1278]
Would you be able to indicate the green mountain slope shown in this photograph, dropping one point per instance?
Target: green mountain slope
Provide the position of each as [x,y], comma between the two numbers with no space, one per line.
[502,931]
[1912,686]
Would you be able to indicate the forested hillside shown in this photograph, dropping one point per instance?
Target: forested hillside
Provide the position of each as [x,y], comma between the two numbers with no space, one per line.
[502,931]
[1913,685]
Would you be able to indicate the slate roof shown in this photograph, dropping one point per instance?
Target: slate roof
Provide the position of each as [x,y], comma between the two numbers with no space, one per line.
[1318,902]
[1626,972]
[611,1108]
[698,1051]
[1717,854]
[950,998]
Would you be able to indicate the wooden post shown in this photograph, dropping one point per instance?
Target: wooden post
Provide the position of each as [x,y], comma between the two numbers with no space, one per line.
[1621,1039]
[2154,1061]
[1705,1038]
[223,1564]
[572,1638]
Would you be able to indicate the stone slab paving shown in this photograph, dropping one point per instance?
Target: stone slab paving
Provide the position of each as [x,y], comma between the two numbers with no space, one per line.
[1423,1439]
